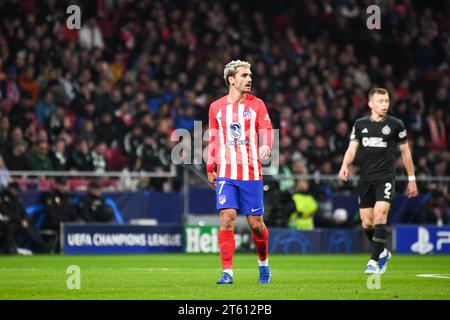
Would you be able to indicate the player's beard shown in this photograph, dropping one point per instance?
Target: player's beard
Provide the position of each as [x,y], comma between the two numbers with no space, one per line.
[246,88]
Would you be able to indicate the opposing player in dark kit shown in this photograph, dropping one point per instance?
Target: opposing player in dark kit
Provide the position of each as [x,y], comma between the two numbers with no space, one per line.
[376,138]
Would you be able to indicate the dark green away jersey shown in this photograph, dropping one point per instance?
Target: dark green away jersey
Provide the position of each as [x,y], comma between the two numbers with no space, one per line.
[378,143]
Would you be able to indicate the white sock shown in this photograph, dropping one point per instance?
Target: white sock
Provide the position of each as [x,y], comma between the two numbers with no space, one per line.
[264,263]
[229,271]
[372,262]
[384,253]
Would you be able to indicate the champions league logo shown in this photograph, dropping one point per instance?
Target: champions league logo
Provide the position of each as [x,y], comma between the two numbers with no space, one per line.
[235,129]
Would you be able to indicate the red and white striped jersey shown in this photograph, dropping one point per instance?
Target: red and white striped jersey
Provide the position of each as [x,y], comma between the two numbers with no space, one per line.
[233,137]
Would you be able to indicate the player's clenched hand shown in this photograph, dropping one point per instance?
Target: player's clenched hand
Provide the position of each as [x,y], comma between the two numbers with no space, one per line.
[343,174]
[411,189]
[212,179]
[264,152]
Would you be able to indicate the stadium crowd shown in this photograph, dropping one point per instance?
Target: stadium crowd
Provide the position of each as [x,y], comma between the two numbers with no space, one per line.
[108,96]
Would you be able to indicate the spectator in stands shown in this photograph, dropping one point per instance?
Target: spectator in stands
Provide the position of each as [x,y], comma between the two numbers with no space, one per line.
[163,131]
[324,216]
[29,84]
[147,123]
[147,155]
[30,135]
[285,169]
[18,229]
[305,207]
[22,113]
[89,112]
[186,119]
[59,157]
[98,157]
[16,160]
[5,178]
[91,35]
[6,245]
[150,157]
[16,135]
[322,152]
[132,140]
[304,203]
[81,158]
[55,123]
[4,135]
[109,130]
[434,211]
[92,206]
[39,159]
[58,206]
[338,143]
[436,132]
[88,133]
[11,87]
[44,108]
[158,71]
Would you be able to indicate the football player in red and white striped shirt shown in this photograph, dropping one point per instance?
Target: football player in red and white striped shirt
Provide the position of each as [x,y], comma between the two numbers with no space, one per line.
[234,164]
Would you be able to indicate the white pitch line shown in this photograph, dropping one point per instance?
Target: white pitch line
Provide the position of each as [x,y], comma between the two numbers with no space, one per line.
[439,276]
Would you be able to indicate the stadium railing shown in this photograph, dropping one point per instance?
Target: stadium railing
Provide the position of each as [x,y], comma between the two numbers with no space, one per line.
[79,180]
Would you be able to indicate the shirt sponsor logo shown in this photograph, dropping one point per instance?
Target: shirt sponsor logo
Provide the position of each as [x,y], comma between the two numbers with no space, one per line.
[235,129]
[237,143]
[375,142]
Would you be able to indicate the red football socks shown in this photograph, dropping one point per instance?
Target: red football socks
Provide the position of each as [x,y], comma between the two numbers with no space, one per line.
[261,242]
[226,247]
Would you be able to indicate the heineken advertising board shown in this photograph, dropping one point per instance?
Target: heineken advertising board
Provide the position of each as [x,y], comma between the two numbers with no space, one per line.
[204,239]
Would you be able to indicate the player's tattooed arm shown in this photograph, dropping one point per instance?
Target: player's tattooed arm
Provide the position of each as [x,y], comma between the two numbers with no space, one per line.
[411,188]
[349,157]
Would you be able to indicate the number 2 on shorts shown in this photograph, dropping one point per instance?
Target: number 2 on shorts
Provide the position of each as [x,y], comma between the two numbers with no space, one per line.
[387,191]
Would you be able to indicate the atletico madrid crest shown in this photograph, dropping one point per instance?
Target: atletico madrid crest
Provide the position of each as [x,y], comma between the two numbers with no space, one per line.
[246,114]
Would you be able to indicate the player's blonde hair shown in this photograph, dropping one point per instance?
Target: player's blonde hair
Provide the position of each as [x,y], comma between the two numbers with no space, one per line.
[231,69]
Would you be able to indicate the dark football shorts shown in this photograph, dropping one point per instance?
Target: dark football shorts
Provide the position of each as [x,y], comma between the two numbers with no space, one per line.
[372,191]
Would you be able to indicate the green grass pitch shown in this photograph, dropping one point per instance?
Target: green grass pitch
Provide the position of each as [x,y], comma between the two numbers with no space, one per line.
[193,276]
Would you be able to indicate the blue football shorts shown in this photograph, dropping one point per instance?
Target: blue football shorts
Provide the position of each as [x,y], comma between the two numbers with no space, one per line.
[244,196]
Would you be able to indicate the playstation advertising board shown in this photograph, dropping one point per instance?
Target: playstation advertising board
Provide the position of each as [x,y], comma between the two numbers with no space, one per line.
[422,239]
